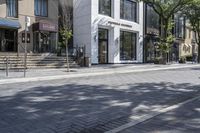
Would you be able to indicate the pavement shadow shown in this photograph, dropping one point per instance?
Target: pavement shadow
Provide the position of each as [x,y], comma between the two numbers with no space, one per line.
[185,119]
[73,108]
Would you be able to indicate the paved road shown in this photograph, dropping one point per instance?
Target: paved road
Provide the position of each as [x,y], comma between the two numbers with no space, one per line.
[93,104]
[185,119]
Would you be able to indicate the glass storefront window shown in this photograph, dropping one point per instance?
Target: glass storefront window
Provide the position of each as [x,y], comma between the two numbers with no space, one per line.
[103,46]
[152,21]
[128,10]
[127,45]
[105,7]
[44,42]
[179,26]
[12,8]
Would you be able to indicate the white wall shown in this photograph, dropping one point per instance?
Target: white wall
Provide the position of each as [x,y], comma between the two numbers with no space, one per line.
[82,24]
[87,20]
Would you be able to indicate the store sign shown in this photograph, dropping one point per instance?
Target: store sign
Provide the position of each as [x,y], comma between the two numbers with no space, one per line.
[120,24]
[48,27]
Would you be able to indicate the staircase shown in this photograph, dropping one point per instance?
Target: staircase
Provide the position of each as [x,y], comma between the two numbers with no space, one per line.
[35,61]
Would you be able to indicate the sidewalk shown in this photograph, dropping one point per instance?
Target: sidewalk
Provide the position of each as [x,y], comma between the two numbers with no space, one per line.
[16,76]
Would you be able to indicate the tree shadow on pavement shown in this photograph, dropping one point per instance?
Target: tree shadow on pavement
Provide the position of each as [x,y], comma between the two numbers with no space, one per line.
[74,108]
[185,119]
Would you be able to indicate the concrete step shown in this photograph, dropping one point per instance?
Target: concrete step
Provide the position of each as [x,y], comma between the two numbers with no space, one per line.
[46,60]
[34,61]
[22,54]
[40,67]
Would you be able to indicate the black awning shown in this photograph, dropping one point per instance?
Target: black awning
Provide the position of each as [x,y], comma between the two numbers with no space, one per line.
[45,26]
[9,23]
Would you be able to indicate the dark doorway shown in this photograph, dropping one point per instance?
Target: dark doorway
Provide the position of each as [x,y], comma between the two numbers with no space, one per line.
[8,40]
[103,46]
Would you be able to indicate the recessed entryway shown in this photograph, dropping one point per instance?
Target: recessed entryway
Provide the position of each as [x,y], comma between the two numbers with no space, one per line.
[103,46]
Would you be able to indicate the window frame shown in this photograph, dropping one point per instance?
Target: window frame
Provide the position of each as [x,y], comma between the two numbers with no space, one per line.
[155,26]
[133,48]
[180,27]
[40,14]
[122,7]
[99,9]
[16,9]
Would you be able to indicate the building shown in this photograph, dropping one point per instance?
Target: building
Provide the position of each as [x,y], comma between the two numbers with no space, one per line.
[189,47]
[151,33]
[179,32]
[184,44]
[110,30]
[42,32]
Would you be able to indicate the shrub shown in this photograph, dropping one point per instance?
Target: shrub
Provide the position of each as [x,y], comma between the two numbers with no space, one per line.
[189,58]
[182,60]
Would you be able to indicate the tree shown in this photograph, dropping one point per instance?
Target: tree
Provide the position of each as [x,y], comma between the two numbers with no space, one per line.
[192,13]
[166,9]
[65,24]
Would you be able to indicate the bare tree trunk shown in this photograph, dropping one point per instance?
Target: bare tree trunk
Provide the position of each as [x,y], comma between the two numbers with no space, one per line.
[67,56]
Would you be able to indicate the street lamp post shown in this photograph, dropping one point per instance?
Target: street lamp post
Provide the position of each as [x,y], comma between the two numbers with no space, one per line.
[27,23]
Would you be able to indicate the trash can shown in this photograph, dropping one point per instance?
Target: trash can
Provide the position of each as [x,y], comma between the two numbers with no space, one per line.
[87,62]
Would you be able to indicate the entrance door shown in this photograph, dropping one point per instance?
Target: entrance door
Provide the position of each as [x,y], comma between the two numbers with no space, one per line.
[103,46]
[44,42]
[8,40]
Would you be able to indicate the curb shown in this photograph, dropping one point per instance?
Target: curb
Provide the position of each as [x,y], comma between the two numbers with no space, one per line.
[46,78]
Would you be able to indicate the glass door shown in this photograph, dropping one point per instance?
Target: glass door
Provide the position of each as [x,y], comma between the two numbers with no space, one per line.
[8,40]
[103,46]
[44,42]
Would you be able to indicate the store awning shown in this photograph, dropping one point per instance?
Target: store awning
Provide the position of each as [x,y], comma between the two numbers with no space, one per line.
[8,23]
[45,26]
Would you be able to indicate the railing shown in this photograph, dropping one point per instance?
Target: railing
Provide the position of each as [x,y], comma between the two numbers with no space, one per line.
[78,53]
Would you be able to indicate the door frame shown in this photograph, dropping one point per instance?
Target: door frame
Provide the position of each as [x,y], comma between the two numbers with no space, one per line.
[107,43]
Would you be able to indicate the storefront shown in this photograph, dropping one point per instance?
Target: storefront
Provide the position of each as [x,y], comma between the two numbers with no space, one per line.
[109,32]
[128,46]
[8,35]
[103,46]
[152,32]
[151,48]
[45,37]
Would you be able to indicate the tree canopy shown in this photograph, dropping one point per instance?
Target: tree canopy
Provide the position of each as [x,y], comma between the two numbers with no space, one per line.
[165,8]
[192,13]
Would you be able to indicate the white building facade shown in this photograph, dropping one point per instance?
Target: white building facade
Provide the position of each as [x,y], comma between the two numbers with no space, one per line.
[110,30]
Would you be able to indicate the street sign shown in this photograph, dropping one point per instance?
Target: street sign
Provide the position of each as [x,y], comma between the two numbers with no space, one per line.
[27,22]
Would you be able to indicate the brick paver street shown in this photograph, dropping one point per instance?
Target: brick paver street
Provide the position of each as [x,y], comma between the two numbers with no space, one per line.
[96,104]
[185,119]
